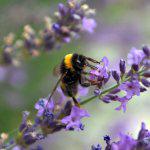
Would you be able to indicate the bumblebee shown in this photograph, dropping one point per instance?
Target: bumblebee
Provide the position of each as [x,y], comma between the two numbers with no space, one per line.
[72,71]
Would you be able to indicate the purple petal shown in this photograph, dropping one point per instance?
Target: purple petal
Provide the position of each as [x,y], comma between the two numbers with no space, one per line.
[106,61]
[83,91]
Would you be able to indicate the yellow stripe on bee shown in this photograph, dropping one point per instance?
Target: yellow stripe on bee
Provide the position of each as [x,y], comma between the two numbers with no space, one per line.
[68,61]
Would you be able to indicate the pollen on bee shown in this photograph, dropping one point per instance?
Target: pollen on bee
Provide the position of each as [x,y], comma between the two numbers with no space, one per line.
[67,60]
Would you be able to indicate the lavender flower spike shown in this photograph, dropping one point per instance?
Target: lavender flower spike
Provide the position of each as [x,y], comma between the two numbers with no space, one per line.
[73,120]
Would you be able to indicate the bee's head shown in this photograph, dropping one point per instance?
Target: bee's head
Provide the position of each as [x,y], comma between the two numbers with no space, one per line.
[79,62]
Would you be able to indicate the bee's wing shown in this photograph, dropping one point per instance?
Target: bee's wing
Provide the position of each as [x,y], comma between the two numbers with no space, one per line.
[56,70]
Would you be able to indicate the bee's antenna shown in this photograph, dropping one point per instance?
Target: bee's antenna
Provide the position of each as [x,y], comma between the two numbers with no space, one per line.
[91,66]
[92,60]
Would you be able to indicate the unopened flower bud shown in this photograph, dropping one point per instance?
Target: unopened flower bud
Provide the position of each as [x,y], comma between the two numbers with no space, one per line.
[116,90]
[146,50]
[135,67]
[97,92]
[106,99]
[112,97]
[142,89]
[122,66]
[56,27]
[115,75]
[107,138]
[145,82]
[147,74]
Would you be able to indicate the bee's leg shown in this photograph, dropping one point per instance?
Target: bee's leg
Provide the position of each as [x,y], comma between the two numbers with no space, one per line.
[83,83]
[75,101]
[70,93]
[91,66]
[88,73]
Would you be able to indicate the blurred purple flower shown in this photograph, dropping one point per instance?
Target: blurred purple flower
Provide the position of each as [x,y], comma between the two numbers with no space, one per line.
[135,56]
[131,88]
[74,119]
[43,104]
[126,143]
[89,24]
[143,138]
[3,72]
[17,147]
[18,77]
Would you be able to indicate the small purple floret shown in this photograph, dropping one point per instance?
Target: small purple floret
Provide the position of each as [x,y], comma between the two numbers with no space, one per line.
[135,56]
[131,88]
[43,104]
[89,24]
[74,119]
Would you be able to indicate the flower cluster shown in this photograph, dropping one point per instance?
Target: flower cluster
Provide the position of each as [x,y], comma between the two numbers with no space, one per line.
[57,113]
[129,83]
[71,19]
[52,116]
[127,142]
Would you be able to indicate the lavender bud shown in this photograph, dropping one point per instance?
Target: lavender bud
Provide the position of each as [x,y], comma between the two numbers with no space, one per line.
[56,27]
[146,63]
[135,67]
[122,66]
[146,74]
[107,79]
[146,50]
[29,138]
[82,126]
[112,97]
[116,90]
[145,82]
[107,138]
[116,75]
[97,92]
[142,89]
[40,136]
[37,121]
[106,99]
[62,8]
[7,58]
[49,115]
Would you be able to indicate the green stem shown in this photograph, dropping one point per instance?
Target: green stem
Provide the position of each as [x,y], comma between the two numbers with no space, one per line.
[108,90]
